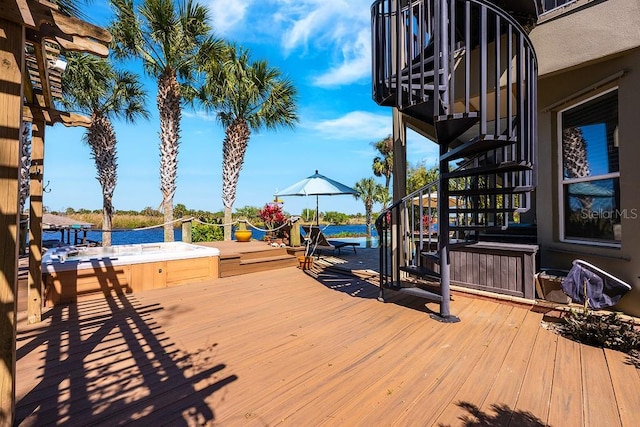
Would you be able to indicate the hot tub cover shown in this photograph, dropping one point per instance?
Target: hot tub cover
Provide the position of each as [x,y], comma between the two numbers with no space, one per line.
[603,289]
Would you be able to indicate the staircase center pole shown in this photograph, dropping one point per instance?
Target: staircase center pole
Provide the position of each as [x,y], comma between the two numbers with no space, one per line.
[443,232]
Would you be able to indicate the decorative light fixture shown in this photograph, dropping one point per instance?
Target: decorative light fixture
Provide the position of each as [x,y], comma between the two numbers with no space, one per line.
[58,65]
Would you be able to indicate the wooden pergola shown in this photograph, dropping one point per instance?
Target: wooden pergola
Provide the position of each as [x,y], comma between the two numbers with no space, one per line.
[33,37]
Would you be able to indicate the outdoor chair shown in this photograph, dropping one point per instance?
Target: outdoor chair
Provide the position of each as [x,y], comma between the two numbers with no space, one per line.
[315,239]
[586,282]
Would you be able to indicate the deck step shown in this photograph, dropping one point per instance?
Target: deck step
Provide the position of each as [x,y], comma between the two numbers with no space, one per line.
[420,271]
[238,264]
[416,292]
[431,256]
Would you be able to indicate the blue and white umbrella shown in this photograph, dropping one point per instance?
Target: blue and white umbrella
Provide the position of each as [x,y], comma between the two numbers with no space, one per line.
[316,185]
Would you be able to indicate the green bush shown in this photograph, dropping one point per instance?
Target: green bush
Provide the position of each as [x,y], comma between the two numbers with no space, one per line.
[206,232]
[609,331]
[335,218]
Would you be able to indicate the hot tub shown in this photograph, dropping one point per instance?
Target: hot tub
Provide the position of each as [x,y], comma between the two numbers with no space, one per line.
[71,274]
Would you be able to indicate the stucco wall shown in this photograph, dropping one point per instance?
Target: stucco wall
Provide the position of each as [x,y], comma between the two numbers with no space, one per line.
[587,31]
[623,262]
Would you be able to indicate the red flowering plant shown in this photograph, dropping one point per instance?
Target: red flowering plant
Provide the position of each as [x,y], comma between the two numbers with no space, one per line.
[273,217]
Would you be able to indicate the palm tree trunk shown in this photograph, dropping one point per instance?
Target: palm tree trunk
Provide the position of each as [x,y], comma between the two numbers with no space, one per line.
[106,224]
[102,140]
[368,208]
[234,148]
[168,100]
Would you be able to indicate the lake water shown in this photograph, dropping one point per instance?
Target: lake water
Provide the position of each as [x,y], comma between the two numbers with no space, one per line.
[155,235]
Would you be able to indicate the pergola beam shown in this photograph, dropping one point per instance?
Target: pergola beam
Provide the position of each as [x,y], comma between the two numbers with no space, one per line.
[12,38]
[35,25]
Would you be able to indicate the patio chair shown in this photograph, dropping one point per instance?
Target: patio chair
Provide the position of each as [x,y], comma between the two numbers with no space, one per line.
[317,240]
[587,283]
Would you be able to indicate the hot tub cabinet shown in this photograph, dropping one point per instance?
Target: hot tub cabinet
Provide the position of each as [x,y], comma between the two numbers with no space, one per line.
[95,272]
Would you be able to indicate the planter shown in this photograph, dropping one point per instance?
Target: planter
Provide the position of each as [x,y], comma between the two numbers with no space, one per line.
[243,235]
[305,262]
[549,285]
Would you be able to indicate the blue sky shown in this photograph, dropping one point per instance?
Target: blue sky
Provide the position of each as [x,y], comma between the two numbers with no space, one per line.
[324,47]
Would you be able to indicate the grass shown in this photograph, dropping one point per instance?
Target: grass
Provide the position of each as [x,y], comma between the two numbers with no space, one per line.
[122,221]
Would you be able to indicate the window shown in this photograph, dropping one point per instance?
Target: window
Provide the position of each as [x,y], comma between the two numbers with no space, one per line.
[590,175]
[549,5]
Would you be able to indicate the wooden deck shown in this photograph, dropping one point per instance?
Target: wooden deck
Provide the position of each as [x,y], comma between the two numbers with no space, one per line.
[285,348]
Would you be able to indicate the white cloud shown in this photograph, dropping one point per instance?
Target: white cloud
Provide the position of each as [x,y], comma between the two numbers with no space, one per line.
[357,125]
[227,14]
[354,65]
[336,29]
[199,114]
[339,27]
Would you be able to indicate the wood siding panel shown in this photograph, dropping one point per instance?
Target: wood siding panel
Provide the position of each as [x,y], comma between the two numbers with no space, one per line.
[149,275]
[183,271]
[495,268]
[72,285]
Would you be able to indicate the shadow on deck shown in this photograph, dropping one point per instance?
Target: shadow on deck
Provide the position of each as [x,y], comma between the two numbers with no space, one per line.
[285,347]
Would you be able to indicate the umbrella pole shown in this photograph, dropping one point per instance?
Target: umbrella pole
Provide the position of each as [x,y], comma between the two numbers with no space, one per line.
[317,213]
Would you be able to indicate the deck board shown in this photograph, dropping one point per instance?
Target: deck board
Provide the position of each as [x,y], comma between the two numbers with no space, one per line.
[535,393]
[626,383]
[479,383]
[286,347]
[597,388]
[506,387]
[566,393]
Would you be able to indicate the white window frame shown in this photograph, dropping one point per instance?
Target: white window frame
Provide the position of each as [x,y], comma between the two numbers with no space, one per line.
[562,182]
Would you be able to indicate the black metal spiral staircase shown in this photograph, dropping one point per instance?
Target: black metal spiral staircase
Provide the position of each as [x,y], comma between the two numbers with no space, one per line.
[467,70]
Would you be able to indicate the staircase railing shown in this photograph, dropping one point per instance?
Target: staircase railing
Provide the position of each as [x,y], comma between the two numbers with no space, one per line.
[406,230]
[467,68]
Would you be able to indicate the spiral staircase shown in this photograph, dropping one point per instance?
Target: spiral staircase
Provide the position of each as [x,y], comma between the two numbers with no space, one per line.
[466,70]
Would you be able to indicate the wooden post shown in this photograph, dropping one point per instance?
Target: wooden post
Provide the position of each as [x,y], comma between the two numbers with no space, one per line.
[34,297]
[399,135]
[294,238]
[186,231]
[12,38]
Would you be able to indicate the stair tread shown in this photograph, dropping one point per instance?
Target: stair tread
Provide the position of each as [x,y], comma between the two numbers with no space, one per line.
[478,145]
[267,259]
[416,291]
[502,167]
[453,209]
[451,126]
[420,271]
[490,191]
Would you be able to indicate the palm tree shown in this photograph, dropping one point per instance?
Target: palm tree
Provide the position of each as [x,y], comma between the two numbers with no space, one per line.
[383,164]
[247,96]
[92,87]
[168,41]
[370,192]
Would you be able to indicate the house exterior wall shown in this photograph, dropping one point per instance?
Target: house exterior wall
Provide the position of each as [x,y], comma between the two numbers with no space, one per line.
[575,67]
[584,32]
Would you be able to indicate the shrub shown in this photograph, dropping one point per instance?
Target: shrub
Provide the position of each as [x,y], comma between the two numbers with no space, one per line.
[206,233]
[609,331]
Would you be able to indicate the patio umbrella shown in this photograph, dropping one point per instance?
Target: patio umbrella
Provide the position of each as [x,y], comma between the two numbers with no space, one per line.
[316,185]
